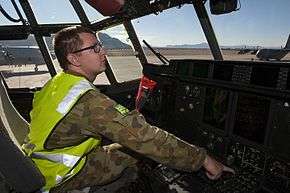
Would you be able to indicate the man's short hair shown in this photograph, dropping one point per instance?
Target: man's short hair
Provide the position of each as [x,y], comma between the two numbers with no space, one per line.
[67,41]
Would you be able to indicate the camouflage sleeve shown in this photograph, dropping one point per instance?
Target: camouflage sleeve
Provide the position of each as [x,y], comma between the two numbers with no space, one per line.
[104,116]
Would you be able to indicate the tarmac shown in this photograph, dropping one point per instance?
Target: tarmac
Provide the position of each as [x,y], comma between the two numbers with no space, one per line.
[125,66]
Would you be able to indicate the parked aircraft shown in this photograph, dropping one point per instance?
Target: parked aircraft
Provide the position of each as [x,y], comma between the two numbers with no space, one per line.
[21,55]
[244,51]
[274,54]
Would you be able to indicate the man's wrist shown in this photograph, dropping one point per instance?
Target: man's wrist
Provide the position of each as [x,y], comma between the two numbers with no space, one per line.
[198,163]
[205,162]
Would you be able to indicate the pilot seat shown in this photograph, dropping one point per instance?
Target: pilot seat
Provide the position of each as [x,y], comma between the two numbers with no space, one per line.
[17,172]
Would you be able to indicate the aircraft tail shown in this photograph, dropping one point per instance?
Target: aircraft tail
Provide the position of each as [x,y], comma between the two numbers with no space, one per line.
[287,46]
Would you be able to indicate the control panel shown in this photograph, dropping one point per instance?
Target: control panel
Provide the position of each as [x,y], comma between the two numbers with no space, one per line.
[255,172]
[277,175]
[226,107]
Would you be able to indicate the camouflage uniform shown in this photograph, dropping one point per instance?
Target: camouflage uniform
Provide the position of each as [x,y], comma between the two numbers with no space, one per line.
[96,115]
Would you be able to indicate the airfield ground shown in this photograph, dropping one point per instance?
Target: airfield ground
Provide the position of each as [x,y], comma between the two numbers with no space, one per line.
[124,64]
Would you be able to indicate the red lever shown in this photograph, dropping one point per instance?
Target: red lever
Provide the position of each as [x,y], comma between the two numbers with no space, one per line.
[146,87]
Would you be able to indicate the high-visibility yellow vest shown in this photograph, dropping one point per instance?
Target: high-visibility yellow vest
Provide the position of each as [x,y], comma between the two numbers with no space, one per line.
[50,106]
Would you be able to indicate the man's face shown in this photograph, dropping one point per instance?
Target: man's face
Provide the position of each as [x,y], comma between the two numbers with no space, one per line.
[90,61]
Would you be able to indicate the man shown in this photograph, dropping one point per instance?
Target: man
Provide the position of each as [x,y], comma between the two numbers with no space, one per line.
[70,115]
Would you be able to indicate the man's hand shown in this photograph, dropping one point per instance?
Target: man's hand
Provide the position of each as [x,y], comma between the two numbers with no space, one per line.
[214,169]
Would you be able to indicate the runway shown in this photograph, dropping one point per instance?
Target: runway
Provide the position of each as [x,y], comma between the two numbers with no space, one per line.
[124,65]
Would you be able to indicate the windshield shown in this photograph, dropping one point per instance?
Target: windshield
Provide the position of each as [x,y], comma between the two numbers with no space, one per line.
[20,60]
[176,33]
[120,54]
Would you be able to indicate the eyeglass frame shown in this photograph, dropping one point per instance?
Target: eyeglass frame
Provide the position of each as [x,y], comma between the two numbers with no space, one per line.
[96,47]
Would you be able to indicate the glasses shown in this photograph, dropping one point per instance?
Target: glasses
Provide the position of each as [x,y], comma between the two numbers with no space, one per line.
[96,47]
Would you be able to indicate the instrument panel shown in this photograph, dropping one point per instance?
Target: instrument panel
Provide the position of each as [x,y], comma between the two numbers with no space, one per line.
[238,111]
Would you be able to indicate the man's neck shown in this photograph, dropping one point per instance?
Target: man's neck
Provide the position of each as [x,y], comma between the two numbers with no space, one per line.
[76,73]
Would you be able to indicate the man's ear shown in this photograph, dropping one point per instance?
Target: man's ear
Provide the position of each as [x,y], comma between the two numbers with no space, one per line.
[73,59]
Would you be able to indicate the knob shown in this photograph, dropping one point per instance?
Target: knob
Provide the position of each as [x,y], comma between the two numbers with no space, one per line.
[181,109]
[210,146]
[187,89]
[219,139]
[190,106]
[230,160]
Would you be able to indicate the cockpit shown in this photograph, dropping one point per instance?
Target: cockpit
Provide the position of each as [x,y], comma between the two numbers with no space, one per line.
[190,67]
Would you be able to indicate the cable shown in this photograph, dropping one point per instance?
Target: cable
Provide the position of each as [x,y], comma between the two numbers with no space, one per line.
[7,15]
[2,10]
[18,12]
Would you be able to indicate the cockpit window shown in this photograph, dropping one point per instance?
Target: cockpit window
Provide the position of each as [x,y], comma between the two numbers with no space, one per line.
[120,54]
[177,33]
[22,64]
[174,33]
[54,11]
[256,23]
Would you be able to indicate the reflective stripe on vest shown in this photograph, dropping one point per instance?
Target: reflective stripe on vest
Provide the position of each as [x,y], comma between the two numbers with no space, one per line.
[59,178]
[65,159]
[72,96]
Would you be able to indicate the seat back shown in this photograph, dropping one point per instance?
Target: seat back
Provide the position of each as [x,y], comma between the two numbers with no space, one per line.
[16,125]
[17,169]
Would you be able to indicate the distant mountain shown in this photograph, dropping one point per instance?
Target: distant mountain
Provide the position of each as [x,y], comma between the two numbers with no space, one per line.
[108,41]
[205,45]
[240,47]
[201,45]
[112,43]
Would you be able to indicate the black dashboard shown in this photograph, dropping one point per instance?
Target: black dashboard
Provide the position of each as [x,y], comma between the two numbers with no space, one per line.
[239,111]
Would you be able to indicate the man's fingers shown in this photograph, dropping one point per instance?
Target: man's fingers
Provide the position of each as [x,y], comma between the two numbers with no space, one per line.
[228,169]
[213,177]
[210,176]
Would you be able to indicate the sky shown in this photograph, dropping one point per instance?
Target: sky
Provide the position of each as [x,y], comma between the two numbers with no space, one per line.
[263,23]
